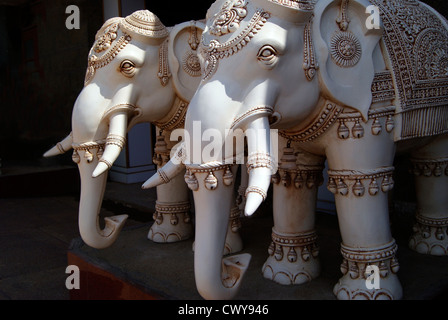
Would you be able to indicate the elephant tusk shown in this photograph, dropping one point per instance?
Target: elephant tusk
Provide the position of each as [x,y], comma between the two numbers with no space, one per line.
[61,147]
[115,142]
[164,175]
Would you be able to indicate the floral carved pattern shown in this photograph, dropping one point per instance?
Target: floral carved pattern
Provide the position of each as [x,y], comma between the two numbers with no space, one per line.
[417,43]
[229,18]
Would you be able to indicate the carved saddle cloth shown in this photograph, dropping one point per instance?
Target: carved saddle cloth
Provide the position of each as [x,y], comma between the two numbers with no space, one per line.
[416,40]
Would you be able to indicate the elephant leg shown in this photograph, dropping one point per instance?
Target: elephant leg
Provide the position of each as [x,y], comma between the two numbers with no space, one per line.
[172,215]
[430,166]
[293,252]
[360,175]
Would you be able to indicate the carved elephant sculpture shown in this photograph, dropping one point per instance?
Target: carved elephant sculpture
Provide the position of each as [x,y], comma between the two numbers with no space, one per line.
[335,88]
[138,71]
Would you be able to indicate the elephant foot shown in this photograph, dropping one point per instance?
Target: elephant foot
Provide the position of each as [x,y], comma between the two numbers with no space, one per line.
[172,223]
[430,236]
[369,274]
[293,258]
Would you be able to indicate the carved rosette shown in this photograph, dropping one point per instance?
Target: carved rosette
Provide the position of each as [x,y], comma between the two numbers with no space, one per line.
[430,236]
[354,267]
[293,258]
[172,222]
[342,182]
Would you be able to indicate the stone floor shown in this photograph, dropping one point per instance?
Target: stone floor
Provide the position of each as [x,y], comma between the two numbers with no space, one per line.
[36,233]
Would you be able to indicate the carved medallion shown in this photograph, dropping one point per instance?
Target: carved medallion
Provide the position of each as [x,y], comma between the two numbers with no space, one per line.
[229,18]
[191,64]
[345,49]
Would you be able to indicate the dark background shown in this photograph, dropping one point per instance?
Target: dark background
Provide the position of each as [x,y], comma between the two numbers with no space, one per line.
[42,69]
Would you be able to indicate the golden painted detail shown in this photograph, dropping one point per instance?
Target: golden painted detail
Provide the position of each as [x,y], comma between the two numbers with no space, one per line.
[357,130]
[302,244]
[260,160]
[416,39]
[177,119]
[163,175]
[429,168]
[342,181]
[164,73]
[96,63]
[145,23]
[358,263]
[129,108]
[383,87]
[116,140]
[310,64]
[253,189]
[303,176]
[161,151]
[318,126]
[215,50]
[104,42]
[172,209]
[303,5]
[210,182]
[191,64]
[432,222]
[88,148]
[229,17]
[343,20]
[194,40]
[258,110]
[377,254]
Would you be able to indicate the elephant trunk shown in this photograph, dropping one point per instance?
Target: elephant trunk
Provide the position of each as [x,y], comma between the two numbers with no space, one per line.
[216,277]
[92,192]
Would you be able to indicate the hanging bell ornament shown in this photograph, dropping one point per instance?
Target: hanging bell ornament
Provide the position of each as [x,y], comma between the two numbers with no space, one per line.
[331,186]
[75,157]
[342,188]
[358,188]
[373,187]
[88,156]
[376,127]
[286,179]
[227,177]
[292,255]
[343,131]
[298,181]
[275,178]
[211,183]
[390,124]
[358,130]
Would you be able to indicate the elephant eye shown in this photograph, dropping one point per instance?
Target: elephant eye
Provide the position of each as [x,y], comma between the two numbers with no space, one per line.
[127,68]
[268,56]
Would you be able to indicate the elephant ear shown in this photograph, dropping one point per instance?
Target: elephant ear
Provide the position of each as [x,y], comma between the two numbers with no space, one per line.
[344,50]
[183,61]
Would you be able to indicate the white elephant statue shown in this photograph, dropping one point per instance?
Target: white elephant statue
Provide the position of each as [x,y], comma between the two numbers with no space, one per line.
[337,86]
[138,71]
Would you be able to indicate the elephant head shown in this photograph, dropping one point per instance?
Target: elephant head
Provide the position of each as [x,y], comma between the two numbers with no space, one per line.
[271,64]
[138,71]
